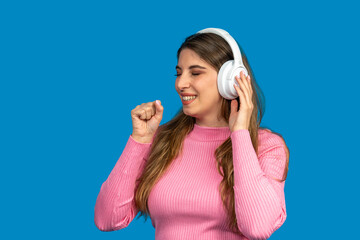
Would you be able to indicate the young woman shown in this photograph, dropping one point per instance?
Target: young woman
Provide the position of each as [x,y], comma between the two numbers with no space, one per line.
[211,172]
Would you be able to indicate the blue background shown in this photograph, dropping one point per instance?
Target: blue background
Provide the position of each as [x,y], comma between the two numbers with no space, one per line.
[71,72]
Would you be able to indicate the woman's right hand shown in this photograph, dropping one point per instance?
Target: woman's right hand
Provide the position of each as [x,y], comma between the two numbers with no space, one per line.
[146,119]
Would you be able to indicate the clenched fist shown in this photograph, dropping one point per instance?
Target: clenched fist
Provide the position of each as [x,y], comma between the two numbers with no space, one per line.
[146,119]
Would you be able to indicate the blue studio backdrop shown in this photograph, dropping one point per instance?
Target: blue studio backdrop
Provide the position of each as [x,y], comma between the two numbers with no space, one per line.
[72,71]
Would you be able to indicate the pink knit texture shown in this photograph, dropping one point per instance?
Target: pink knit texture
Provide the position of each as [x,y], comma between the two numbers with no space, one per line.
[186,203]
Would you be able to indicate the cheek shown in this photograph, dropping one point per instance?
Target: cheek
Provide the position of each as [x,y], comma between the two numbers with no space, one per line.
[215,92]
[210,97]
[209,91]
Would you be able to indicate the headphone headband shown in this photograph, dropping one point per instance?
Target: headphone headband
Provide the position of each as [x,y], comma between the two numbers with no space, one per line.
[230,40]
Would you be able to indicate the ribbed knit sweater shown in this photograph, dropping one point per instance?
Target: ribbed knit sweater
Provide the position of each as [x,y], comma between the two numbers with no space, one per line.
[185,203]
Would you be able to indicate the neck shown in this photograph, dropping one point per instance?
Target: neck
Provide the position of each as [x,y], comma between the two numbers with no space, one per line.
[204,123]
[209,134]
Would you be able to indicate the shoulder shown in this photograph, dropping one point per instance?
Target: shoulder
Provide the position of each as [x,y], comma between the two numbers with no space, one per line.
[268,140]
[266,137]
[273,154]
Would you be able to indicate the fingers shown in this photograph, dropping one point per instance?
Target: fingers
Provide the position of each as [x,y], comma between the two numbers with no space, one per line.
[234,106]
[244,80]
[240,93]
[143,114]
[150,110]
[159,110]
[249,84]
[245,87]
[145,111]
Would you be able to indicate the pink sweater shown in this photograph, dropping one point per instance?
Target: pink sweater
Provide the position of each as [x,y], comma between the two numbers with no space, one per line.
[186,203]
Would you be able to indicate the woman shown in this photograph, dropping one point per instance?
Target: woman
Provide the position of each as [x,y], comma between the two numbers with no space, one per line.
[211,172]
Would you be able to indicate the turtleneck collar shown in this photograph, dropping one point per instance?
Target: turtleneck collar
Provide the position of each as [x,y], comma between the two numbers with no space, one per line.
[209,134]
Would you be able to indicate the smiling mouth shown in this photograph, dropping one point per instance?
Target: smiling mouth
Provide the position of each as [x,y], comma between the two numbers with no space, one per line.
[187,102]
[188,98]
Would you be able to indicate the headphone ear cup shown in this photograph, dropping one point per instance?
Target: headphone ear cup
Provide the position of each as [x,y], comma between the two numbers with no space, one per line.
[226,79]
[223,82]
[238,70]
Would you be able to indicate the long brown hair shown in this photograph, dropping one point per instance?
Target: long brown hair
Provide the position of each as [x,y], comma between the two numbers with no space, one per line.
[168,141]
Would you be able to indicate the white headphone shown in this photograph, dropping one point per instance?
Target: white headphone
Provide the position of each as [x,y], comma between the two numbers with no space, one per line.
[230,69]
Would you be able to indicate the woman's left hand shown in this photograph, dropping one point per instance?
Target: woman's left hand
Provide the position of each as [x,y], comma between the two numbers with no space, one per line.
[241,119]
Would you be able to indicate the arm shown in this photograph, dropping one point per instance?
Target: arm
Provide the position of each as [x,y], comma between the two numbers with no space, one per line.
[115,205]
[259,199]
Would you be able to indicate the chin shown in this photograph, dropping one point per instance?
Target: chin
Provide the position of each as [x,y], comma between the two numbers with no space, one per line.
[187,112]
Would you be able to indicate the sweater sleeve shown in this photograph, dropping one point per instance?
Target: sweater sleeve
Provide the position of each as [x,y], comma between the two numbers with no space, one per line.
[115,204]
[259,199]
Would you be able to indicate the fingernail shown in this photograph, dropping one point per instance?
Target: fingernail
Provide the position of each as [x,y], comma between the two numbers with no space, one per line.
[158,102]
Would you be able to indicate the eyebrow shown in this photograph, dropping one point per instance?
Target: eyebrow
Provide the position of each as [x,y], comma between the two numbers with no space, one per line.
[191,67]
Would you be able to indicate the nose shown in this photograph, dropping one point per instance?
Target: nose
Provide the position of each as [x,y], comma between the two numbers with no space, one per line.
[182,82]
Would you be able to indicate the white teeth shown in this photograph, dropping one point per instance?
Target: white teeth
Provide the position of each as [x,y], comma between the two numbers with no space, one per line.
[187,98]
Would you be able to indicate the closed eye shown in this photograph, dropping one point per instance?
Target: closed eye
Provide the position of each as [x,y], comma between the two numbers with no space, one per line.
[194,74]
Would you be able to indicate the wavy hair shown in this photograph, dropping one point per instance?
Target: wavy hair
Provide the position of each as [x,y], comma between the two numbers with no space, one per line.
[168,140]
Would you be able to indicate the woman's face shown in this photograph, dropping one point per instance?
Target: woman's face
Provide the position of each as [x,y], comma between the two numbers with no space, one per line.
[197,77]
